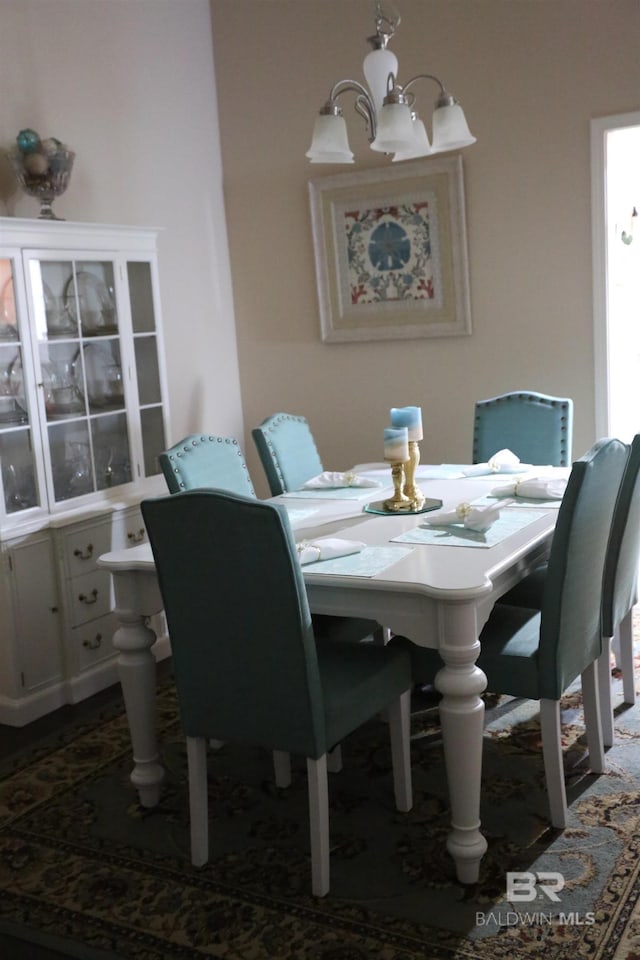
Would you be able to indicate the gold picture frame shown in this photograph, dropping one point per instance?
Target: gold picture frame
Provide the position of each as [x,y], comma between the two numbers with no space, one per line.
[391,252]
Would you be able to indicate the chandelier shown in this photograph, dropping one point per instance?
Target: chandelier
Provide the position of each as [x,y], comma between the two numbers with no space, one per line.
[388,109]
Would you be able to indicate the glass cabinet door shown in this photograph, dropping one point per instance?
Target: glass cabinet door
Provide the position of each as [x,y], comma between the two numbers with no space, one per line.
[81,375]
[147,365]
[82,391]
[18,473]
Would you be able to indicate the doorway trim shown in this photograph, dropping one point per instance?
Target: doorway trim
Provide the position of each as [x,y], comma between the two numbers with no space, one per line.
[600,128]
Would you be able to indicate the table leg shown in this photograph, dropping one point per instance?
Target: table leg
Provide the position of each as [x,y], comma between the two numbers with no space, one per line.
[462,718]
[137,670]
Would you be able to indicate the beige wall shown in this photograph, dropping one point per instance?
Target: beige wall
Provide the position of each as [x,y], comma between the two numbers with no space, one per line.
[530,75]
[129,84]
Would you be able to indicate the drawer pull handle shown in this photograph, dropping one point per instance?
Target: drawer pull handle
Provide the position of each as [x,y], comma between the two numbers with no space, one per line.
[137,537]
[88,600]
[86,554]
[93,644]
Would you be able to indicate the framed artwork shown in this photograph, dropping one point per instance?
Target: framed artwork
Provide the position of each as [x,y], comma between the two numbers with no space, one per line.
[391,252]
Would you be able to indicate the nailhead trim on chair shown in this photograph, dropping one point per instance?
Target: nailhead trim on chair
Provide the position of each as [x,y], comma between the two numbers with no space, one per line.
[531,396]
[194,443]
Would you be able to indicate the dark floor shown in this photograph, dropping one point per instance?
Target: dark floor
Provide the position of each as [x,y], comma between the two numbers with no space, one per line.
[15,739]
[12,949]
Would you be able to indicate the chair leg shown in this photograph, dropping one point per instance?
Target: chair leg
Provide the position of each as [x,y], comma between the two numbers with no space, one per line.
[198,802]
[399,731]
[382,636]
[604,693]
[319,824]
[282,768]
[553,761]
[625,632]
[334,759]
[591,707]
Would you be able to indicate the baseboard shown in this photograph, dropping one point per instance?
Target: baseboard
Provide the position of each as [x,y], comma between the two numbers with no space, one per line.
[19,712]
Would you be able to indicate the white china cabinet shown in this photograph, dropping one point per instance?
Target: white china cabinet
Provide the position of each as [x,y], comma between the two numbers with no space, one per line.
[83,417]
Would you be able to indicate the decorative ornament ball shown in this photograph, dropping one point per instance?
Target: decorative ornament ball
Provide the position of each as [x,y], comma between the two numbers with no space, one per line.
[36,163]
[28,141]
[50,146]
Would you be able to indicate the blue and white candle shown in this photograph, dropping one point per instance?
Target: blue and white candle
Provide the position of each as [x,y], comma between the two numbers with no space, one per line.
[396,444]
[409,417]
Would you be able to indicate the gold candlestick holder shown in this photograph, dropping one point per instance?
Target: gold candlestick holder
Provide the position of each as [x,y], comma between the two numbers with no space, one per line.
[410,490]
[399,501]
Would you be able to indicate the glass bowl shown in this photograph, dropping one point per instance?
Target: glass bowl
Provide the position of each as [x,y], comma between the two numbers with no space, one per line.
[43,176]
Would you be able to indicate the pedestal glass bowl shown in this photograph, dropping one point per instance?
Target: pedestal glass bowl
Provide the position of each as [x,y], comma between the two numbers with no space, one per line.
[43,176]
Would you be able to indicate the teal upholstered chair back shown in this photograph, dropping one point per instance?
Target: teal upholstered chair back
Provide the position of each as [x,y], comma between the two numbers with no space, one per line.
[201,460]
[536,427]
[570,628]
[287,451]
[621,568]
[244,654]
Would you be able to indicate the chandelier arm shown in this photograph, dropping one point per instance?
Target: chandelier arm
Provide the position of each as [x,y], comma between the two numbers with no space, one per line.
[363,102]
[445,99]
[364,108]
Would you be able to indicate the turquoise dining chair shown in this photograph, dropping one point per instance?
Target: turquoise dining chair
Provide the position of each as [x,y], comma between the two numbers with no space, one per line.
[202,460]
[536,427]
[619,591]
[538,653]
[246,666]
[287,451]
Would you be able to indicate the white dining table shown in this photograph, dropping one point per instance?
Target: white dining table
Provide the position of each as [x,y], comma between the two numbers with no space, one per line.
[438,593]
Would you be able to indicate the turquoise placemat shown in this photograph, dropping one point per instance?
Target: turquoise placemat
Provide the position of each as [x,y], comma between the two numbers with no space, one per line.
[367,563]
[335,493]
[442,471]
[298,514]
[516,502]
[454,535]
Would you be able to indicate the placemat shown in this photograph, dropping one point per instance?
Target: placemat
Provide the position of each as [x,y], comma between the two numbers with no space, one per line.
[510,502]
[334,493]
[367,563]
[298,514]
[454,535]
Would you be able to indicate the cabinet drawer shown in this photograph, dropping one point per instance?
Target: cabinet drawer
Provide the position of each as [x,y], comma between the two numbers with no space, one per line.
[92,642]
[90,596]
[83,547]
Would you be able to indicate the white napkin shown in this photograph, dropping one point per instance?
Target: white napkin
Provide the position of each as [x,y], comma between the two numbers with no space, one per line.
[473,518]
[333,479]
[326,548]
[504,461]
[533,488]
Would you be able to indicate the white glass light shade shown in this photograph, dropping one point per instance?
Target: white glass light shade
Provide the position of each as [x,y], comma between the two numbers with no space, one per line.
[420,146]
[395,129]
[450,130]
[330,143]
[377,66]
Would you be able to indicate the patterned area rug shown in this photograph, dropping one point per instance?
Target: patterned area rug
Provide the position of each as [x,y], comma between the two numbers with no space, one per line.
[85,870]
